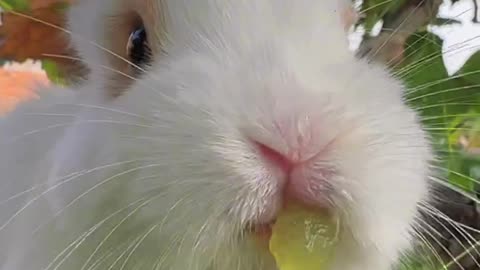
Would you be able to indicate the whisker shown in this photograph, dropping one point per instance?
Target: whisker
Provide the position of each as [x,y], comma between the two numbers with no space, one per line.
[69,178]
[403,72]
[450,49]
[447,129]
[100,260]
[421,38]
[425,242]
[430,106]
[445,249]
[132,243]
[456,238]
[421,63]
[76,35]
[59,56]
[432,229]
[433,211]
[88,106]
[117,226]
[72,248]
[363,11]
[451,116]
[454,188]
[88,233]
[463,254]
[13,197]
[161,224]
[197,238]
[458,174]
[427,85]
[50,127]
[396,30]
[116,72]
[137,244]
[107,109]
[443,92]
[110,253]
[150,87]
[163,257]
[107,180]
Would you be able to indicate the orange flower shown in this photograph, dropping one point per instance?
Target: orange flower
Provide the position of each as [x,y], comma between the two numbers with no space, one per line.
[17,86]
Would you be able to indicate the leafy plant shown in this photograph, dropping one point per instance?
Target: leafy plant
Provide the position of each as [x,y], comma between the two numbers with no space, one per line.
[18,5]
[52,71]
[448,104]
[48,66]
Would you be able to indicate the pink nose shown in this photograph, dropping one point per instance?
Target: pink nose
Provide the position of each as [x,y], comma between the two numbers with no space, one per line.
[275,158]
[301,180]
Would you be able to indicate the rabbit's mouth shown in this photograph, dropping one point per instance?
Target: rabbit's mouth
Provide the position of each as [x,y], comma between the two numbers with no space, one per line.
[262,232]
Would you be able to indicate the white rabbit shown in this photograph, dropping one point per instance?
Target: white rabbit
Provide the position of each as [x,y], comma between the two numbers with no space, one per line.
[198,117]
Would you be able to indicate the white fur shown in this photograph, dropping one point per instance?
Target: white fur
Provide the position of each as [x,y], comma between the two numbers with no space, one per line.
[163,177]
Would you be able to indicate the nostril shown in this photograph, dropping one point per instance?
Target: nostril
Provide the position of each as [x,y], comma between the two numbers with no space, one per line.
[274,157]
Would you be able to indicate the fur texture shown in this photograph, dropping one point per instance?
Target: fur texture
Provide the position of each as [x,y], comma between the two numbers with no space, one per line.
[165,176]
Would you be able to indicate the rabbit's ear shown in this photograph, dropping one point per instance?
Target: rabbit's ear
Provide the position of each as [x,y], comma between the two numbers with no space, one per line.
[101,30]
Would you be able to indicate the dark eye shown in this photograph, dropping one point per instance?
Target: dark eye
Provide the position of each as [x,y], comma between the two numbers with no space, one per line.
[137,47]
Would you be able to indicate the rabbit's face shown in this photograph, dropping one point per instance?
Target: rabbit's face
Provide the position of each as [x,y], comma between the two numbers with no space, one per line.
[228,108]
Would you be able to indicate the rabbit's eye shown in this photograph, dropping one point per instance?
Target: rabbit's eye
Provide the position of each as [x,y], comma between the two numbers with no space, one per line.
[137,47]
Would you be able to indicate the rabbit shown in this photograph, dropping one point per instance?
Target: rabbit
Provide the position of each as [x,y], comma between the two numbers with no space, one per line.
[198,121]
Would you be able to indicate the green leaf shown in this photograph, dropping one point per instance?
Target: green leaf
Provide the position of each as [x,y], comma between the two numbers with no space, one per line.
[470,72]
[442,101]
[431,87]
[17,5]
[5,5]
[460,172]
[60,6]
[418,260]
[52,71]
[444,21]
[425,75]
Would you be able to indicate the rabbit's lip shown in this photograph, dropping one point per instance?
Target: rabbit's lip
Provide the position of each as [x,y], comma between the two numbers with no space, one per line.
[262,232]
